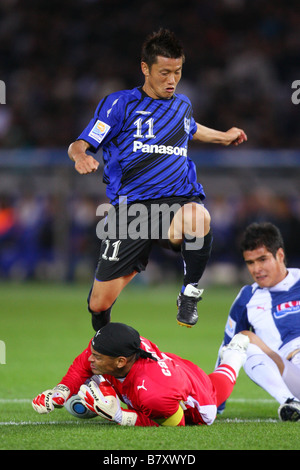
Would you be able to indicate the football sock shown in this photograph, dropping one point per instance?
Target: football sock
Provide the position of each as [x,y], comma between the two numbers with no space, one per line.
[223,380]
[99,319]
[265,373]
[291,377]
[195,254]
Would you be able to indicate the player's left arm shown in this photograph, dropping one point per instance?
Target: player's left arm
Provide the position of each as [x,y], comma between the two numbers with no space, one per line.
[175,419]
[233,136]
[103,400]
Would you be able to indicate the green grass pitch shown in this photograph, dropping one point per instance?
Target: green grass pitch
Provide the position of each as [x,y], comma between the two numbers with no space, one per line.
[44,326]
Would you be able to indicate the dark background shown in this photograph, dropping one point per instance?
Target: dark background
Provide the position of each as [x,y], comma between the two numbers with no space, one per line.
[59,58]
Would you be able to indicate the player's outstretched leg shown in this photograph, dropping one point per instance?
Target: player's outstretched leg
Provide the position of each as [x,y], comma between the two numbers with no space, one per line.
[224,376]
[99,319]
[195,261]
[190,228]
[102,297]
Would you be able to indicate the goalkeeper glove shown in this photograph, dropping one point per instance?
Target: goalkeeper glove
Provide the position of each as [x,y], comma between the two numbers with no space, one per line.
[102,399]
[50,399]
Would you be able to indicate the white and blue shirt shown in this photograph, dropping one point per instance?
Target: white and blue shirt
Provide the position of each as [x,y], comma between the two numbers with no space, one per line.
[145,144]
[273,313]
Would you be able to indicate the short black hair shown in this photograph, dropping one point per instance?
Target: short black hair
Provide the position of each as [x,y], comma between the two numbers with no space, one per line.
[265,234]
[161,43]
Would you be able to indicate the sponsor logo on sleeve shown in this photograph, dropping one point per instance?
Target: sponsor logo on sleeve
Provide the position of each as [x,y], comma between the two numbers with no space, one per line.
[99,131]
[230,327]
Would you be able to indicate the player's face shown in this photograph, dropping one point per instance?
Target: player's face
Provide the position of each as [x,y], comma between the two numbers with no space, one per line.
[101,364]
[162,78]
[266,269]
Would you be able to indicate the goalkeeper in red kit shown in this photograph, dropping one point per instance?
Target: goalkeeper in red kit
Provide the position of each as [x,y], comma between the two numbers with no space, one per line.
[158,388]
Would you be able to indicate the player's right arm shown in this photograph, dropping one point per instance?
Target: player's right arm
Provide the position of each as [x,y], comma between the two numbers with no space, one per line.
[103,400]
[84,163]
[106,124]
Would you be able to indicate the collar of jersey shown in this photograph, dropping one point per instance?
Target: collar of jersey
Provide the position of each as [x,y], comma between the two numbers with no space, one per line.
[144,95]
[283,285]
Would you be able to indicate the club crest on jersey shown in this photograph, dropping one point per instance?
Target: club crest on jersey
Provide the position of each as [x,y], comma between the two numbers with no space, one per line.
[99,131]
[287,308]
[187,125]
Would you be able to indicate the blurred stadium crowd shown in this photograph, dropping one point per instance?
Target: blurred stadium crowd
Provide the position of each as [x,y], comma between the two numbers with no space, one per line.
[46,238]
[59,58]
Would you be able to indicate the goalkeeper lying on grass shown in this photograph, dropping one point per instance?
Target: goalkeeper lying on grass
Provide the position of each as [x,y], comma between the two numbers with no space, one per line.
[158,388]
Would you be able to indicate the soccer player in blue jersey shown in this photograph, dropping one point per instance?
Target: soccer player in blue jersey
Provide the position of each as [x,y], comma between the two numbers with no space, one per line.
[144,135]
[271,309]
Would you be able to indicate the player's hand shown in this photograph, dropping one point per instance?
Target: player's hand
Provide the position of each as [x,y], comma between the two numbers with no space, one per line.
[102,400]
[235,136]
[55,398]
[85,164]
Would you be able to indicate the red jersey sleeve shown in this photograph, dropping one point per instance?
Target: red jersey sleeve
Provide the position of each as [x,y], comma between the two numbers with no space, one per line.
[78,372]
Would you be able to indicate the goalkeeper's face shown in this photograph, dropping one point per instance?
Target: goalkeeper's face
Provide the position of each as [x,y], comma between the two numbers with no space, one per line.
[101,364]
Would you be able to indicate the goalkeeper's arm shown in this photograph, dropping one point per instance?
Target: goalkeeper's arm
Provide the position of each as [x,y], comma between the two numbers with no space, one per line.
[103,400]
[46,401]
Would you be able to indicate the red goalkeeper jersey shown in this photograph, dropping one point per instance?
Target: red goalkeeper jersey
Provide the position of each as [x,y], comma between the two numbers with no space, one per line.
[156,389]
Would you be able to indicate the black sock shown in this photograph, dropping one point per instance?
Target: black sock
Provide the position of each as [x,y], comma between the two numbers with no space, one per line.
[195,253]
[99,319]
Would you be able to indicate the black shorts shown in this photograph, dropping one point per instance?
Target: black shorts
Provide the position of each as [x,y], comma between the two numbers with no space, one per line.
[129,231]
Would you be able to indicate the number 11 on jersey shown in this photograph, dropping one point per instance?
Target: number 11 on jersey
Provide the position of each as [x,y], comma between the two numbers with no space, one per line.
[138,123]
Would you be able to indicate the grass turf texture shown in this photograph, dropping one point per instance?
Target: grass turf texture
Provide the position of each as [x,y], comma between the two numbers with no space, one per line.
[45,326]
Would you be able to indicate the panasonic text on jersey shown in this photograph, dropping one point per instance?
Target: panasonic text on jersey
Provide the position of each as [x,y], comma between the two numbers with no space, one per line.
[160,149]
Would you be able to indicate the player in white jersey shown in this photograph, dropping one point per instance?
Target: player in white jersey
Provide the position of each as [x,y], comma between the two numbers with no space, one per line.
[270,308]
[144,135]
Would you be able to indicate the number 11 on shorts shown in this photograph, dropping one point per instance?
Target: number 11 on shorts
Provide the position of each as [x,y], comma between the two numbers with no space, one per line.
[115,246]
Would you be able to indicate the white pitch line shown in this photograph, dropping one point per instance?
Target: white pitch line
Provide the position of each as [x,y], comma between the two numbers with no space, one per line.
[15,400]
[252,400]
[256,420]
[83,421]
[38,423]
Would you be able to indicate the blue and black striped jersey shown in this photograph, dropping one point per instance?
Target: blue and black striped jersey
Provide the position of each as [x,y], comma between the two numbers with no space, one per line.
[144,144]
